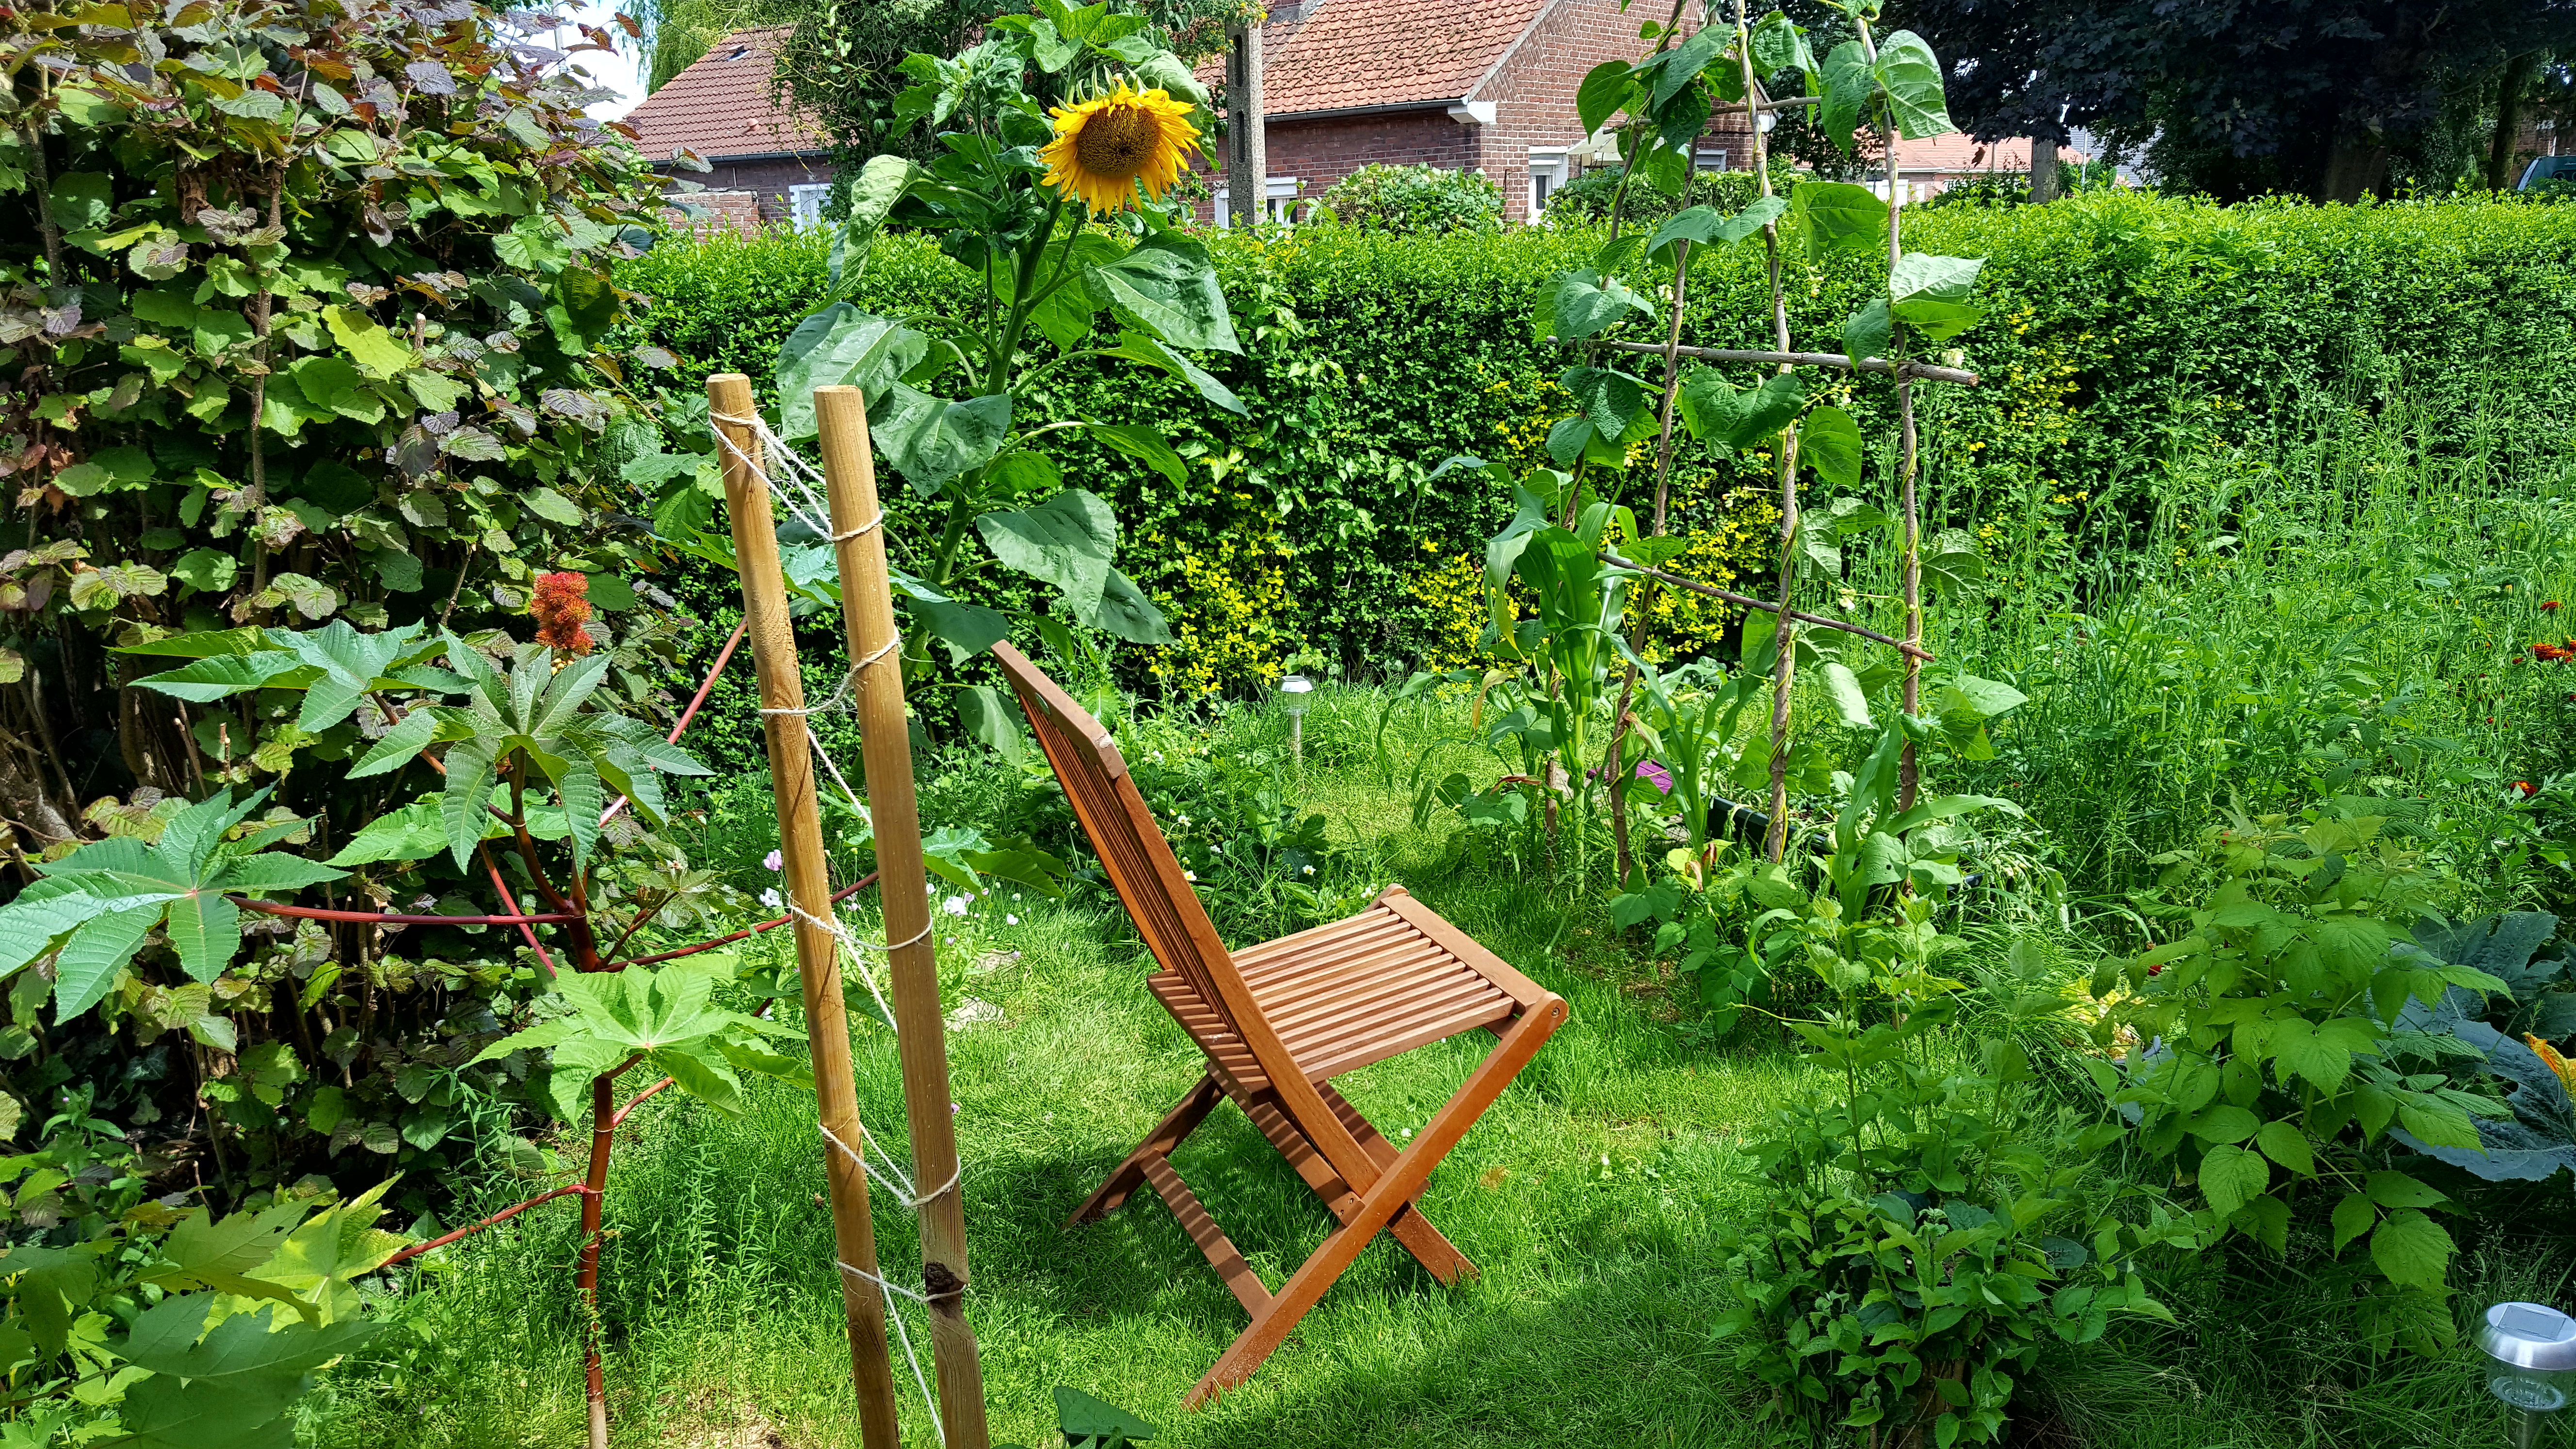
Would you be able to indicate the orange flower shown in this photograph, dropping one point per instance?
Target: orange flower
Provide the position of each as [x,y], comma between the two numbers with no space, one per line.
[2526,787]
[2549,1057]
[561,607]
[2551,606]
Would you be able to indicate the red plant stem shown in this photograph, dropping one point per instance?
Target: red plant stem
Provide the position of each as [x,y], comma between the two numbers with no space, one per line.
[388,918]
[840,895]
[510,898]
[603,1134]
[619,1120]
[503,1216]
[724,657]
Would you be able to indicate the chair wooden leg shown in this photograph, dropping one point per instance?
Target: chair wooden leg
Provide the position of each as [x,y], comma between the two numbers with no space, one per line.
[1435,1253]
[1176,1125]
[1387,1196]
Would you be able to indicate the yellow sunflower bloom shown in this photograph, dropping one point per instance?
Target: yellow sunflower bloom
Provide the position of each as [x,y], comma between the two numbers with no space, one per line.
[1105,145]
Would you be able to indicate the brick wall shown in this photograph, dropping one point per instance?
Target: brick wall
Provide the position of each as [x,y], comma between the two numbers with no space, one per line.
[1533,89]
[765,182]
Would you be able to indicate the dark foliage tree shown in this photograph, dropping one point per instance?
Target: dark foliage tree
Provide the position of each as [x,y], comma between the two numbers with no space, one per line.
[2325,98]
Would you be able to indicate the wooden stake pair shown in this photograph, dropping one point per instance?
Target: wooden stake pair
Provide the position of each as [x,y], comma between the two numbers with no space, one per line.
[868,611]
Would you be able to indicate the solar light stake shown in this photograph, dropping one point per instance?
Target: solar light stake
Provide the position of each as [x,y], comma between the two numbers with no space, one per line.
[1293,690]
[2531,1364]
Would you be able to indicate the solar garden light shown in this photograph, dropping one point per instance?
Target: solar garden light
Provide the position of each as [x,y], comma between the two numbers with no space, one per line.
[2531,1364]
[1293,690]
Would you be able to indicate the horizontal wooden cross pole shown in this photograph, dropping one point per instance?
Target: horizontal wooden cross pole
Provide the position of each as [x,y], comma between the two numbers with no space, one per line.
[1766,605]
[1923,370]
[1767,104]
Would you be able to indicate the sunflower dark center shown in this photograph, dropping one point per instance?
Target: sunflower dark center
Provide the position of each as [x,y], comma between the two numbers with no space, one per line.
[1116,141]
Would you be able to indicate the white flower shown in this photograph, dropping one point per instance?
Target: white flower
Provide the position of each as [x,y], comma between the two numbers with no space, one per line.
[1189,875]
[956,905]
[770,899]
[1010,920]
[774,861]
[1310,870]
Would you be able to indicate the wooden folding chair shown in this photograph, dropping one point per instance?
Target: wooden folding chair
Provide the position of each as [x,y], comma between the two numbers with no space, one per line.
[1277,1022]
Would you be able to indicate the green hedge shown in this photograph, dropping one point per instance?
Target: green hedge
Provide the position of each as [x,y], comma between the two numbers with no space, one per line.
[2121,327]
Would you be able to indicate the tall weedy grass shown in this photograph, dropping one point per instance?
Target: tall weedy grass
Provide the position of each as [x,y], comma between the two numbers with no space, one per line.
[2335,594]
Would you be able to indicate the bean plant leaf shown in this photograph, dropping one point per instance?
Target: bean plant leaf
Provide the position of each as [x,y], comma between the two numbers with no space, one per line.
[1604,91]
[1829,441]
[1582,303]
[1704,224]
[1780,44]
[1848,87]
[1716,413]
[1610,399]
[1911,77]
[1839,217]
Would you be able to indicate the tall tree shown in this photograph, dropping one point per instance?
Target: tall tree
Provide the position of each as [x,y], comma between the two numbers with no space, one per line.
[2234,97]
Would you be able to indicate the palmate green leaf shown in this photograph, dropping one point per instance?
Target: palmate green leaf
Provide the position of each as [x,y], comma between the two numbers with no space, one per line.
[205,929]
[701,1070]
[48,910]
[322,1260]
[221,676]
[400,745]
[461,808]
[577,785]
[89,963]
[1168,285]
[350,662]
[564,692]
[1066,541]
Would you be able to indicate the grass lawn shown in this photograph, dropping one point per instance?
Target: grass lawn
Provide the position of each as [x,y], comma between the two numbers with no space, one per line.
[1588,1196]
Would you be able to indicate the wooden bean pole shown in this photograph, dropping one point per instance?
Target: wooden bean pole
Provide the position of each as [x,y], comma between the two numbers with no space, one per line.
[867,607]
[809,887]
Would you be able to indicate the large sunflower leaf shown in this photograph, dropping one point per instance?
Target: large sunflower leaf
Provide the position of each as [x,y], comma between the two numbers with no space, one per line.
[931,440]
[836,347]
[1168,285]
[1066,541]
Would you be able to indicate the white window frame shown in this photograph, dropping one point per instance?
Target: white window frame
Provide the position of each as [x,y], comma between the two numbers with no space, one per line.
[805,204]
[1549,169]
[1281,194]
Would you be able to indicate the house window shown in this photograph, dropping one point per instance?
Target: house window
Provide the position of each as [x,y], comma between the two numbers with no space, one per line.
[1547,172]
[805,204]
[1280,202]
[1710,158]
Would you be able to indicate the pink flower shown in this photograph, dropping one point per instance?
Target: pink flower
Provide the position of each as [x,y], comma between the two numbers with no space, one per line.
[774,861]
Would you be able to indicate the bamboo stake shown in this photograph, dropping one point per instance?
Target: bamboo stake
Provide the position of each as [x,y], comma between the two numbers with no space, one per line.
[867,607]
[809,886]
[1785,668]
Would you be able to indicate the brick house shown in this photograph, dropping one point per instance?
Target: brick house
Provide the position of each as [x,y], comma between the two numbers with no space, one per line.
[1481,86]
[767,165]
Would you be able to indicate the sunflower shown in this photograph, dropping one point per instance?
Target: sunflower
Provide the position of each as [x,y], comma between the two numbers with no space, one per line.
[1105,145]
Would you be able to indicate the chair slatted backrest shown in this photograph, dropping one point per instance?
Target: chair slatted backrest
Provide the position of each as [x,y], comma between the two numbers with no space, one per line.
[1132,850]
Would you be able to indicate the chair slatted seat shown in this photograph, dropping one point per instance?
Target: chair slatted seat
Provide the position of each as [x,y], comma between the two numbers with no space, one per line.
[1276,1023]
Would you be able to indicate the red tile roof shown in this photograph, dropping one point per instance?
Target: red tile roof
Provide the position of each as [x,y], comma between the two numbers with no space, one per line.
[1954,152]
[1343,55]
[721,106]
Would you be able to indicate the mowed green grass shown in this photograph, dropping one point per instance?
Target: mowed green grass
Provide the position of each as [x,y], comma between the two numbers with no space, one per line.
[1587,1195]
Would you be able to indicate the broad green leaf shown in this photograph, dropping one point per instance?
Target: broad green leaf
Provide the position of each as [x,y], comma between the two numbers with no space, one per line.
[1851,702]
[841,346]
[1839,217]
[1681,65]
[967,629]
[205,929]
[2353,1216]
[1604,90]
[1142,443]
[1941,279]
[1612,400]
[2285,1144]
[1778,44]
[1168,285]
[2224,1122]
[408,737]
[880,184]
[382,353]
[1137,347]
[2398,1190]
[1066,541]
[989,722]
[1127,613]
[2231,1177]
[1583,303]
[1702,224]
[1715,412]
[2412,1250]
[1911,77]
[931,440]
[2299,1049]
[1848,88]
[470,768]
[1829,442]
